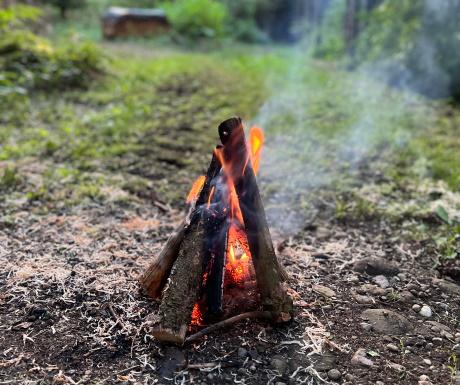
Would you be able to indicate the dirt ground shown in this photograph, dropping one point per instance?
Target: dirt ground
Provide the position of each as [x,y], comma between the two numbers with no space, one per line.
[369,306]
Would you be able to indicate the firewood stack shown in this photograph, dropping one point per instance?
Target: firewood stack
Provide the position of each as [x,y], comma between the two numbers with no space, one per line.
[191,266]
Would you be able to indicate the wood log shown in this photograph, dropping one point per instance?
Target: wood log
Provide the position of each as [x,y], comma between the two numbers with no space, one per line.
[156,275]
[183,286]
[215,253]
[238,167]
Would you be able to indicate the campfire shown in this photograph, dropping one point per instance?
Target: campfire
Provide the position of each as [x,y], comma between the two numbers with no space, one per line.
[223,245]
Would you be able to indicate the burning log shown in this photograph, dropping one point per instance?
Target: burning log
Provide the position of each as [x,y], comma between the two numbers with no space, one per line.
[225,230]
[240,170]
[182,290]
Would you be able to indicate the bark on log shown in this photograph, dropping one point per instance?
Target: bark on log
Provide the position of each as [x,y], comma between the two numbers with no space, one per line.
[156,275]
[269,280]
[184,284]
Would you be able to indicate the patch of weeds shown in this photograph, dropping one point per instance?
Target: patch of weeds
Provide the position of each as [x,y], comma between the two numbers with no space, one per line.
[394,296]
[452,365]
[10,179]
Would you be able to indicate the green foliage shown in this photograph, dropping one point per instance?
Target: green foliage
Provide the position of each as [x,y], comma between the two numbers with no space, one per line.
[197,18]
[28,61]
[328,37]
[9,179]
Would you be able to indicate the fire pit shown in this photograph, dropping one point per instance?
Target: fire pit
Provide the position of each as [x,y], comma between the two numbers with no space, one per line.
[223,245]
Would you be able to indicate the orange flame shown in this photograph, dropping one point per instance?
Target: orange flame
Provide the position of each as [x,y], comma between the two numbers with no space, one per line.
[197,316]
[256,141]
[196,189]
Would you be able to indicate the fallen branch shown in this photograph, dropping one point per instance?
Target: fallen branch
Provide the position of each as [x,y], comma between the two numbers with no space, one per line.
[230,321]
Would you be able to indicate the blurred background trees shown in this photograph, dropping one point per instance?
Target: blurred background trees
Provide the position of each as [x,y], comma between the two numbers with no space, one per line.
[412,43]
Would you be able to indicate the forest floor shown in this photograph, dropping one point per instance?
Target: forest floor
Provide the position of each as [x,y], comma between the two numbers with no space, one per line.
[361,187]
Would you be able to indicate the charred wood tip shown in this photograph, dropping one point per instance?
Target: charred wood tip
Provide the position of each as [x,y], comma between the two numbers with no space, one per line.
[227,127]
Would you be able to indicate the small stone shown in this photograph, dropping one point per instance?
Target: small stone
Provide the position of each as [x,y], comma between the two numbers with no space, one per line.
[323,362]
[242,353]
[360,359]
[381,281]
[252,368]
[375,266]
[353,279]
[366,326]
[397,367]
[457,338]
[379,383]
[447,335]
[279,363]
[363,299]
[416,308]
[406,296]
[402,276]
[447,286]
[425,311]
[324,291]
[424,377]
[437,340]
[426,361]
[210,376]
[386,321]
[392,348]
[241,371]
[280,383]
[349,377]
[334,374]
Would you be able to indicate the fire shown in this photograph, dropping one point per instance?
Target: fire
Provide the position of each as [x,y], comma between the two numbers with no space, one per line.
[196,188]
[256,141]
[197,316]
[238,265]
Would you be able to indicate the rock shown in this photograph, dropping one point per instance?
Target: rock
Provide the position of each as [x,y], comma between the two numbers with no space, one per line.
[437,326]
[397,367]
[280,383]
[447,335]
[210,376]
[322,233]
[381,281]
[252,368]
[379,383]
[334,374]
[416,308]
[375,266]
[425,311]
[402,277]
[368,288]
[279,363]
[242,353]
[324,291]
[457,337]
[392,348]
[363,299]
[447,286]
[323,362]
[437,340]
[406,296]
[426,361]
[366,326]
[360,359]
[386,321]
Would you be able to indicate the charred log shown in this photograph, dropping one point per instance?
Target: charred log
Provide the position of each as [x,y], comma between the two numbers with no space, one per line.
[268,270]
[183,287]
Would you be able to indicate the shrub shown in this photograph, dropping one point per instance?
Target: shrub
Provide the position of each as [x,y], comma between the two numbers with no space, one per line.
[197,18]
[29,62]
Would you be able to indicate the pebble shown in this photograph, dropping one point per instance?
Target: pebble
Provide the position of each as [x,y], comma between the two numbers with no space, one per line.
[242,352]
[363,299]
[324,291]
[359,358]
[425,311]
[210,376]
[334,374]
[381,281]
[366,326]
[392,348]
[416,308]
[427,361]
[437,340]
[457,337]
[280,383]
[397,367]
[375,266]
[447,335]
[252,368]
[379,383]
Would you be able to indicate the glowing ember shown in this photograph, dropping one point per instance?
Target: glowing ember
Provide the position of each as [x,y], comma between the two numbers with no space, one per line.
[196,188]
[197,316]
[211,195]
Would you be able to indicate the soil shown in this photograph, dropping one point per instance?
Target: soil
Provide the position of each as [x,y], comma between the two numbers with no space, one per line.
[71,310]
